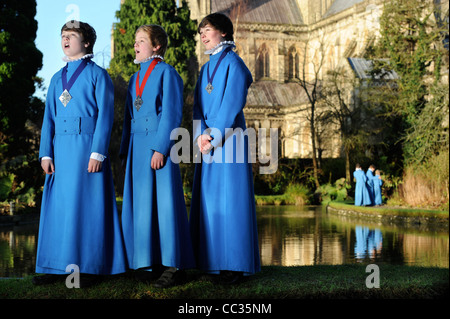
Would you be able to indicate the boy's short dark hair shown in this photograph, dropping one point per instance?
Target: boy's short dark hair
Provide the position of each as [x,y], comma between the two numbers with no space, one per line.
[157,36]
[220,22]
[88,32]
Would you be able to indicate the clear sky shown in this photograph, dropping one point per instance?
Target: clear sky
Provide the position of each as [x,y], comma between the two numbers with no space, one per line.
[52,14]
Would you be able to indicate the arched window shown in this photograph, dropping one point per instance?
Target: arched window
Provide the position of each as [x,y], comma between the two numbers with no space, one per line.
[293,64]
[262,63]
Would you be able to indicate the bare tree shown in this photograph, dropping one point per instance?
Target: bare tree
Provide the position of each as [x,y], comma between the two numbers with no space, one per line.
[345,112]
[310,80]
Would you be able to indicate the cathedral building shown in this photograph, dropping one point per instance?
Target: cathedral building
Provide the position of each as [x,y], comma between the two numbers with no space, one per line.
[284,42]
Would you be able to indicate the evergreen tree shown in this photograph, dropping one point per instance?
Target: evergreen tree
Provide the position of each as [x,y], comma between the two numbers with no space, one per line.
[412,40]
[20,61]
[177,23]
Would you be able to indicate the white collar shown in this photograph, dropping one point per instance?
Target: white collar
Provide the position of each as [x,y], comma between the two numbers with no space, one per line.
[218,48]
[136,61]
[87,56]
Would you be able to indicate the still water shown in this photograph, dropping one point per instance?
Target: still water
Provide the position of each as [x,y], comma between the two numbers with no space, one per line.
[289,236]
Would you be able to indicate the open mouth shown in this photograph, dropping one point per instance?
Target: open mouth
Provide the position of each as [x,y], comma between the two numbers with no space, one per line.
[67,45]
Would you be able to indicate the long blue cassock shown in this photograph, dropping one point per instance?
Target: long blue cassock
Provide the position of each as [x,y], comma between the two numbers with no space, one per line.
[362,197]
[79,220]
[154,215]
[377,182]
[222,215]
[370,179]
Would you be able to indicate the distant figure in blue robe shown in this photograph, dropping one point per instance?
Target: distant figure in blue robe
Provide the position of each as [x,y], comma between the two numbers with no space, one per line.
[154,215]
[222,215]
[362,197]
[369,182]
[377,182]
[79,222]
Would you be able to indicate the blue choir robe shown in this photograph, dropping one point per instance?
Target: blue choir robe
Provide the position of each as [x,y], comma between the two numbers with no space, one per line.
[79,221]
[369,182]
[154,214]
[362,197]
[222,215]
[377,182]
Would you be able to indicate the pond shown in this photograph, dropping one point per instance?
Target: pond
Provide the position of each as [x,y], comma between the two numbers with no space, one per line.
[289,236]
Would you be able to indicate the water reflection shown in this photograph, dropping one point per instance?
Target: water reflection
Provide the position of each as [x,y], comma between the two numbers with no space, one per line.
[368,242]
[18,250]
[289,236]
[292,237]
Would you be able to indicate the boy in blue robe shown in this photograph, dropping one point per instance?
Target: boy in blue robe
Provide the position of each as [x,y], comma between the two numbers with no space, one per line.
[154,215]
[370,185]
[377,182]
[362,197]
[79,222]
[222,215]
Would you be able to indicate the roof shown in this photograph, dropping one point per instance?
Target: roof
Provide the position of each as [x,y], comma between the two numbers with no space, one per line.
[340,5]
[273,94]
[262,11]
[362,67]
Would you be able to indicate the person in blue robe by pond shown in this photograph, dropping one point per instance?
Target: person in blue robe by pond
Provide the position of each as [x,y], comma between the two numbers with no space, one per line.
[370,184]
[79,222]
[222,215]
[362,197]
[154,214]
[377,182]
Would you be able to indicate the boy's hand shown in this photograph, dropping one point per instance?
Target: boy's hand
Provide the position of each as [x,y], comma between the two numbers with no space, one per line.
[157,160]
[47,166]
[204,144]
[94,166]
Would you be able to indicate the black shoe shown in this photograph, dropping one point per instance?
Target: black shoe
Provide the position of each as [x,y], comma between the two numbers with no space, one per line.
[170,277]
[148,276]
[47,279]
[227,277]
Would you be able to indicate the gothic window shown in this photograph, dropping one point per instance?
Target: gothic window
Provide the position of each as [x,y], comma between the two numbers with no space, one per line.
[262,63]
[294,64]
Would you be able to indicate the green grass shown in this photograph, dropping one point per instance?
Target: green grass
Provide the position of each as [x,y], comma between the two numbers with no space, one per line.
[273,282]
[391,211]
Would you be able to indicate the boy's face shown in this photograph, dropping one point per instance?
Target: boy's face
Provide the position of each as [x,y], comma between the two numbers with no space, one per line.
[73,45]
[210,36]
[143,46]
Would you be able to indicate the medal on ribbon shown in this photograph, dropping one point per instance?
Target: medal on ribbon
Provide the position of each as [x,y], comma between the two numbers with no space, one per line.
[65,97]
[140,89]
[210,87]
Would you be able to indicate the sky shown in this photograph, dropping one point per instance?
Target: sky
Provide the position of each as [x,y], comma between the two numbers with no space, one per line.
[52,14]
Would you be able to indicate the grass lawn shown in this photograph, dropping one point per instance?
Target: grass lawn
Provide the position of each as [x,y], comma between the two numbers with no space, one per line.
[273,282]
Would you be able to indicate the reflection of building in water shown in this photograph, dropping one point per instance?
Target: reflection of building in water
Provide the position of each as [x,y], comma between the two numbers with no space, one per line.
[304,250]
[430,251]
[311,249]
[368,242]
